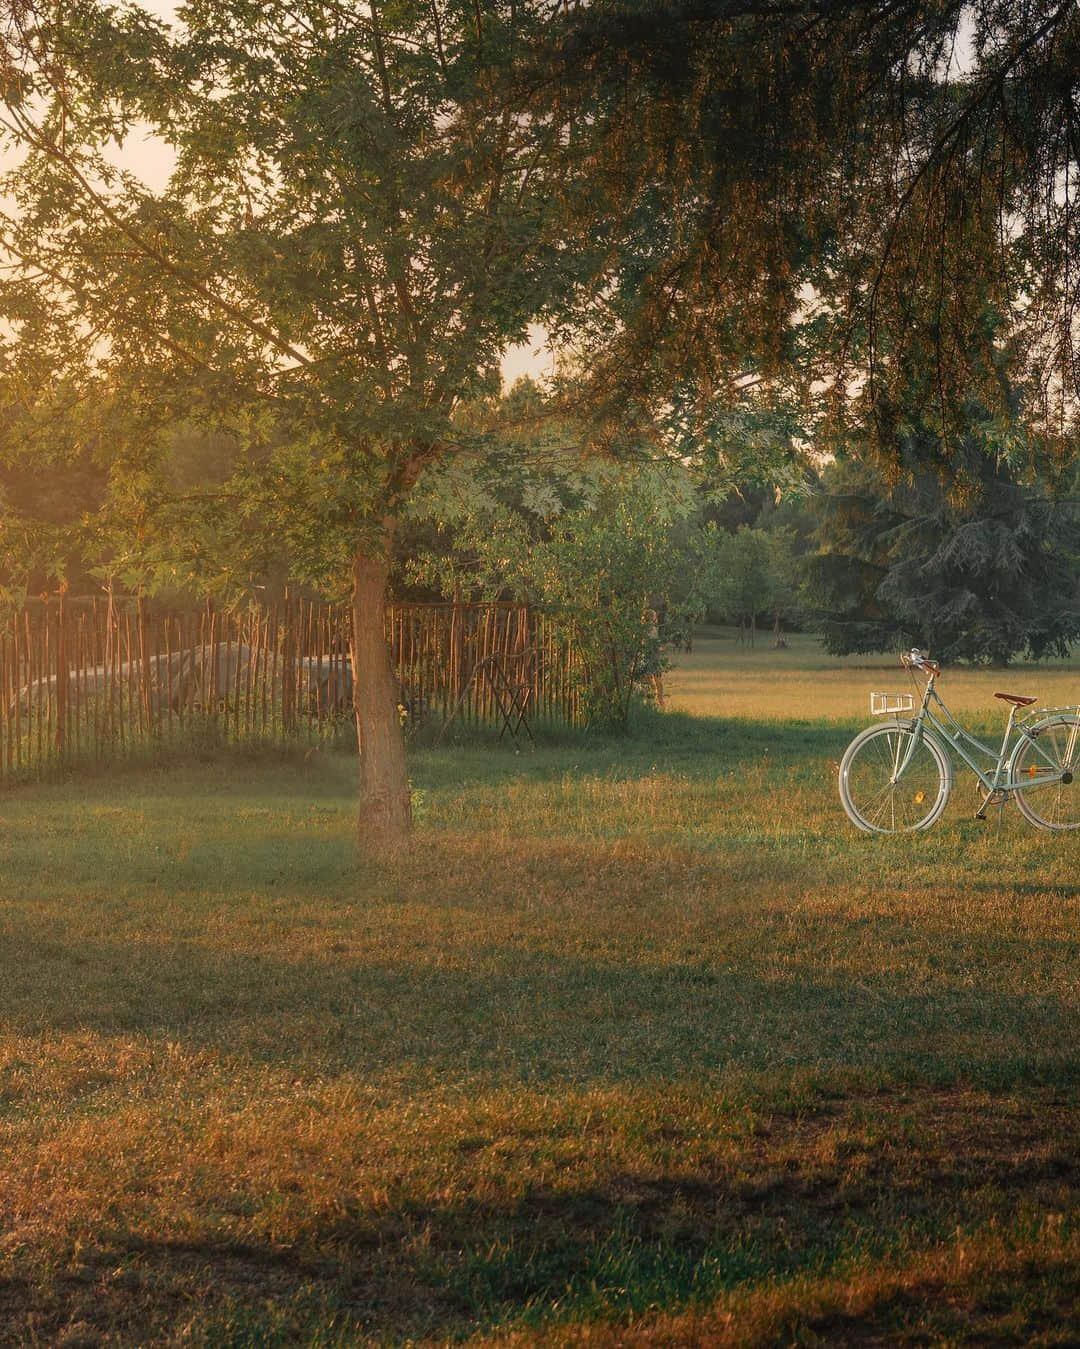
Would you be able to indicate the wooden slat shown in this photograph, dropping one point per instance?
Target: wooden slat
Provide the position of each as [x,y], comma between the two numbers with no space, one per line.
[89,678]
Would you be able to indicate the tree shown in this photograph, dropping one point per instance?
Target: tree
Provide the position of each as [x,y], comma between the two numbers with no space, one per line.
[753,573]
[744,585]
[838,190]
[359,221]
[598,546]
[787,601]
[978,578]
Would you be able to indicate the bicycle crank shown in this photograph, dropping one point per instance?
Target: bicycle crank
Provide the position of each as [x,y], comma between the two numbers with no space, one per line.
[994,798]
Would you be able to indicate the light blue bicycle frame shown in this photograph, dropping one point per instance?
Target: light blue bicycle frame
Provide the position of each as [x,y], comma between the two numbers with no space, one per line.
[953,736]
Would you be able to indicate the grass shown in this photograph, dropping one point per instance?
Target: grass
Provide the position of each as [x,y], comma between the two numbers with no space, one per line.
[805,682]
[641,1044]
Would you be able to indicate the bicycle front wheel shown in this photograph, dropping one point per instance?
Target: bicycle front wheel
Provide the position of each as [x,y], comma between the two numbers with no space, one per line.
[1053,805]
[883,796]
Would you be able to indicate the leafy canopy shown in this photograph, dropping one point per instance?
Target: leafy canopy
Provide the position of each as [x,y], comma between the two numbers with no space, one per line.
[831,195]
[600,546]
[358,223]
[980,575]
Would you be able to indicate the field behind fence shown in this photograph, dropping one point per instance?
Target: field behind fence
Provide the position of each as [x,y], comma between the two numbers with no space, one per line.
[85,680]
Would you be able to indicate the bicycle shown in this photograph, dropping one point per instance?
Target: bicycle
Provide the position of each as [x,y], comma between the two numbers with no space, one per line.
[896,777]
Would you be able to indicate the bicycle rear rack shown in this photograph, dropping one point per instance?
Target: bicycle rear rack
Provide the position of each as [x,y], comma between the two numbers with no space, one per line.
[1042,713]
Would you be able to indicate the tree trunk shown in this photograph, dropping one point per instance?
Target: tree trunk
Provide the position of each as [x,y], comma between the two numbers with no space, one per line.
[385,809]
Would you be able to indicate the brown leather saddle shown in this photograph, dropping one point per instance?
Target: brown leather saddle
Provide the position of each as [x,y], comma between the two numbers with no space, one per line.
[1017,699]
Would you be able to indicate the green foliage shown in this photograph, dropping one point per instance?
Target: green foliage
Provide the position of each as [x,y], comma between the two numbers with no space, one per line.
[366,209]
[606,570]
[963,544]
[357,226]
[54,471]
[754,572]
[745,582]
[821,198]
[979,575]
[603,550]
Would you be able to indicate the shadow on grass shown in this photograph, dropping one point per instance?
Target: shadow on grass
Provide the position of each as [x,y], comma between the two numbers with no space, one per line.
[553,965]
[667,742]
[818,1196]
[506,1013]
[274,822]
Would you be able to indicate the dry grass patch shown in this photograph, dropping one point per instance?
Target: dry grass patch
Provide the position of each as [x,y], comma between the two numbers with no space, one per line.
[803,683]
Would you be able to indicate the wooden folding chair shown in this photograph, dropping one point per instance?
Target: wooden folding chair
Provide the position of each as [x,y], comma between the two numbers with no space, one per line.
[510,676]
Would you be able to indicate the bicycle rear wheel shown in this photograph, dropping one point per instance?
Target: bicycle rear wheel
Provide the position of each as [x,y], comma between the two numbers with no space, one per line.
[877,796]
[1055,805]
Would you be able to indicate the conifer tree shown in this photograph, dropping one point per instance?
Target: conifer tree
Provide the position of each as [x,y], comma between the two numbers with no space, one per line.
[979,573]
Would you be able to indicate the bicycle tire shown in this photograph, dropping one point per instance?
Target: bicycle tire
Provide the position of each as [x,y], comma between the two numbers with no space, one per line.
[1060,803]
[875,804]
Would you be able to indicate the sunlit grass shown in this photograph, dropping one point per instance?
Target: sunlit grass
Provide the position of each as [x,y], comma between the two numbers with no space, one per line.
[641,1041]
[803,682]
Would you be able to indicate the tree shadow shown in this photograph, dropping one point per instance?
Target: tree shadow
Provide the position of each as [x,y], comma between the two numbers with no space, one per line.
[816,1193]
[693,747]
[677,742]
[508,1013]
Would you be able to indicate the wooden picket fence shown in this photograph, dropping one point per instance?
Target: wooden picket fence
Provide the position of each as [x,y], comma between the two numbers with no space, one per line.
[89,679]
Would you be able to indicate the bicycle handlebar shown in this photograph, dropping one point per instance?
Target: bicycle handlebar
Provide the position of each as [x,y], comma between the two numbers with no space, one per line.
[914,659]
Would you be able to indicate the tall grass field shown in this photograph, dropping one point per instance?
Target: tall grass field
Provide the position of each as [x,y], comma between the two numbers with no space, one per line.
[642,1043]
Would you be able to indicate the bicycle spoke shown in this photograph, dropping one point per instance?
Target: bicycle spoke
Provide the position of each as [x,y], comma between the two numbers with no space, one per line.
[881,795]
[876,803]
[878,814]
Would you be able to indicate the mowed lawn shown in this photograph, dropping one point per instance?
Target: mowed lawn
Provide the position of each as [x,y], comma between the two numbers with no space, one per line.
[642,1044]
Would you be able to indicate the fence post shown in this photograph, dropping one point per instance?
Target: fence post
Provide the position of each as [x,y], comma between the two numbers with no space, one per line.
[144,669]
[6,685]
[61,680]
[288,671]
